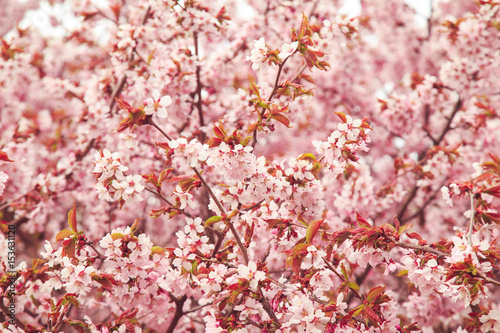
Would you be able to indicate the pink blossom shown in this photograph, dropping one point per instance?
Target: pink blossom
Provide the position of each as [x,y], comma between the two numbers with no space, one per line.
[258,54]
[287,50]
[250,273]
[491,321]
[157,104]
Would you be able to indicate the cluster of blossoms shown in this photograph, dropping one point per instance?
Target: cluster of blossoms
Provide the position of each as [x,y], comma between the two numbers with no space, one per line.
[260,54]
[344,143]
[112,184]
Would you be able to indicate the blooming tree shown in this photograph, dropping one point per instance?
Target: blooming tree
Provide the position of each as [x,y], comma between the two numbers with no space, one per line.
[259,166]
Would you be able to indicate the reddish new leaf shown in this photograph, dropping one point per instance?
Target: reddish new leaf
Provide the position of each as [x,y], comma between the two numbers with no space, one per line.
[72,219]
[362,222]
[312,229]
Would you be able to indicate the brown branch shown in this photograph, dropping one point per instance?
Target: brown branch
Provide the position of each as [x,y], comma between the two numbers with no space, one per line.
[152,123]
[199,87]
[99,255]
[19,323]
[439,254]
[253,206]
[421,209]
[267,307]
[437,142]
[407,202]
[179,303]
[196,308]
[456,108]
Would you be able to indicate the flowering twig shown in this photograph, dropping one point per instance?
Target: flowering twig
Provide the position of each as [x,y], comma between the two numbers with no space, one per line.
[330,267]
[275,88]
[161,196]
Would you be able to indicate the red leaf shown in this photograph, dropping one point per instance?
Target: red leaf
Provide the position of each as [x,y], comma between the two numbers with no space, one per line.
[494,191]
[312,229]
[342,116]
[362,222]
[281,118]
[4,157]
[374,293]
[72,219]
[414,235]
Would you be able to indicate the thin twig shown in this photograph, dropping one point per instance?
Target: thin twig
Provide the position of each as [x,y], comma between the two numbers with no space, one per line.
[161,196]
[152,123]
[438,253]
[223,211]
[199,87]
[197,308]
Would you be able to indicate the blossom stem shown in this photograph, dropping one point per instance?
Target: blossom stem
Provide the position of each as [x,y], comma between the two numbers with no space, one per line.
[169,203]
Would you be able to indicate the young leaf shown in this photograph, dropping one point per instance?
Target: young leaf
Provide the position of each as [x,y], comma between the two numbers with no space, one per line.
[281,118]
[72,219]
[63,234]
[312,229]
[362,222]
[212,220]
[374,293]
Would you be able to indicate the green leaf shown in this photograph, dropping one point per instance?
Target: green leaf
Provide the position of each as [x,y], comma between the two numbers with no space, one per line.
[307,157]
[344,272]
[63,234]
[342,116]
[255,90]
[117,235]
[77,325]
[353,286]
[212,220]
[404,228]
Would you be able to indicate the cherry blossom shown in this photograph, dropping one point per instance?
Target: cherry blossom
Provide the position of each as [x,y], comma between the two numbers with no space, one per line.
[157,104]
[287,50]
[3,180]
[258,55]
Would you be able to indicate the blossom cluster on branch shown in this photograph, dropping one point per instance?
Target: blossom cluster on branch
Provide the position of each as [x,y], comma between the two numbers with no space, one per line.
[251,166]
